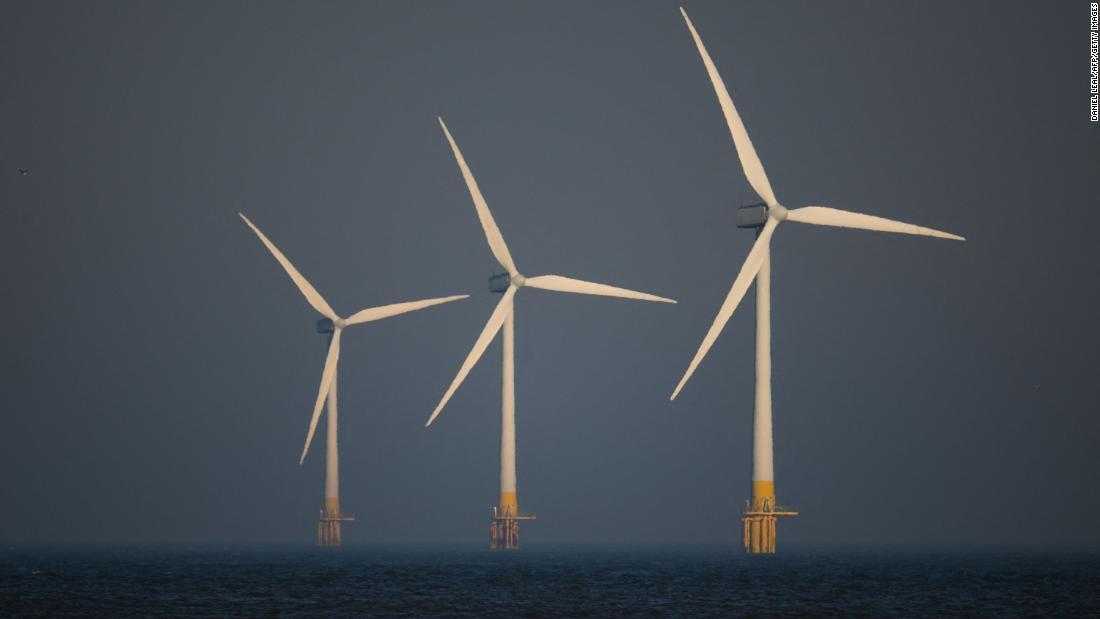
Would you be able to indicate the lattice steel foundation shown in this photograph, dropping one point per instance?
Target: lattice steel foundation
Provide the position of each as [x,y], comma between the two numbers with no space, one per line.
[758,524]
[328,527]
[504,529]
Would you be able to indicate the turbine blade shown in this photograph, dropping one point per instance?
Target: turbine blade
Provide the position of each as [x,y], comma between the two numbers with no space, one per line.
[327,376]
[492,233]
[824,216]
[750,163]
[568,284]
[385,311]
[740,285]
[496,321]
[315,299]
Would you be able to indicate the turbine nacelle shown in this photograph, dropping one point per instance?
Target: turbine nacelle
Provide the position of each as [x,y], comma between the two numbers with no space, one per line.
[328,325]
[752,216]
[756,215]
[499,283]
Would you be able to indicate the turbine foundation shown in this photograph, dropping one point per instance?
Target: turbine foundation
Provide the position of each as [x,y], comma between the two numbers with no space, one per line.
[759,519]
[328,525]
[504,524]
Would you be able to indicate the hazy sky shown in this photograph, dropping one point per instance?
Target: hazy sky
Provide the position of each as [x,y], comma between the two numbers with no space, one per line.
[159,367]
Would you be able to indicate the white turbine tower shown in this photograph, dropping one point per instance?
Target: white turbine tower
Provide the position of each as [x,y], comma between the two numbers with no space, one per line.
[328,527]
[504,528]
[759,518]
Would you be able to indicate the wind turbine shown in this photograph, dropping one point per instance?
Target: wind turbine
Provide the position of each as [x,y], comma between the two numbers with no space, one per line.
[328,527]
[760,516]
[504,527]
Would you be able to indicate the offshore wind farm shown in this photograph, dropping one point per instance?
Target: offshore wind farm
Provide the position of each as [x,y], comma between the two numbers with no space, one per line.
[867,438]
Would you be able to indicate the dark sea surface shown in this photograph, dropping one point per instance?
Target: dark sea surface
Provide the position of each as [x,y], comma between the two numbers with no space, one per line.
[549,581]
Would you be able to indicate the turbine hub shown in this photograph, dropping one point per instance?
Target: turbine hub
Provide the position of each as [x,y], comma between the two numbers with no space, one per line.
[339,323]
[778,212]
[518,279]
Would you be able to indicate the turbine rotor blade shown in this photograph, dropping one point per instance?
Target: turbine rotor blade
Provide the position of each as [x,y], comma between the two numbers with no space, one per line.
[315,299]
[824,216]
[492,233]
[750,163]
[327,375]
[558,283]
[740,285]
[496,321]
[385,311]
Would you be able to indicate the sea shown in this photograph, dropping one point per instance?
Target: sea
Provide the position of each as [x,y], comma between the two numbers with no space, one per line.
[550,581]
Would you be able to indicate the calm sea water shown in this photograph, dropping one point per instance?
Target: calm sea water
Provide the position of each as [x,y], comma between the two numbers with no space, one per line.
[718,581]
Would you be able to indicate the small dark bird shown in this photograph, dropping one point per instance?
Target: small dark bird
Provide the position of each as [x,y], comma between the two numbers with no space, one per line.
[24,171]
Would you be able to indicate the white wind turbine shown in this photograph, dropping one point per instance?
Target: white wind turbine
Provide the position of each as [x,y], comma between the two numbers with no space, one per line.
[759,533]
[328,532]
[505,529]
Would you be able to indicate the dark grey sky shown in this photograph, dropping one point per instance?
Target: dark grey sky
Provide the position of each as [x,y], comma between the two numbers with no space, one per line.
[158,366]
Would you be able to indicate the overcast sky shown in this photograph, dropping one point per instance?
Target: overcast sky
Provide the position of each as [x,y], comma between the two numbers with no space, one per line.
[158,367]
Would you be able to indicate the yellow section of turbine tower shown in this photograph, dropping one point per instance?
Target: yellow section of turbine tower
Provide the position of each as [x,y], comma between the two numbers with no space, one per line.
[332,505]
[763,491]
[509,504]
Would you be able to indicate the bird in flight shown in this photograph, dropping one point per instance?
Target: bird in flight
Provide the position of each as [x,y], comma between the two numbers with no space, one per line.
[24,171]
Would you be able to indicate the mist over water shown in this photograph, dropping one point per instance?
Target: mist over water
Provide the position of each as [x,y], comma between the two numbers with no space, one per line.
[543,581]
